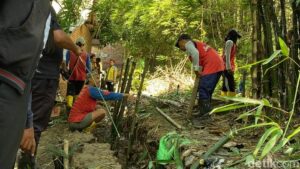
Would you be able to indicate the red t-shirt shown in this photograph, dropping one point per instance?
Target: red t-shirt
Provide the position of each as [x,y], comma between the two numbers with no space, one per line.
[209,59]
[83,105]
[79,68]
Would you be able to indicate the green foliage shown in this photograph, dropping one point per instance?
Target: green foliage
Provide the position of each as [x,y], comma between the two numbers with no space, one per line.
[276,137]
[70,13]
[271,143]
[284,48]
[272,57]
[229,107]
[169,146]
[105,31]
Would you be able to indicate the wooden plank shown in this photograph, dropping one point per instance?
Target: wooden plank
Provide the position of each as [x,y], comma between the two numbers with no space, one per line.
[193,98]
[173,122]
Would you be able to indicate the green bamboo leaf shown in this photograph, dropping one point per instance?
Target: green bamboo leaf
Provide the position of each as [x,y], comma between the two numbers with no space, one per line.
[249,113]
[252,64]
[280,145]
[242,100]
[264,138]
[266,102]
[178,161]
[272,57]
[232,106]
[283,60]
[258,126]
[284,47]
[294,133]
[258,113]
[270,144]
[289,151]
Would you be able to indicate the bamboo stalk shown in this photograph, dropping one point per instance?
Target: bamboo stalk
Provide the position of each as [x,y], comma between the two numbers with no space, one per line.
[66,151]
[134,121]
[124,100]
[215,148]
[118,103]
[193,98]
[173,122]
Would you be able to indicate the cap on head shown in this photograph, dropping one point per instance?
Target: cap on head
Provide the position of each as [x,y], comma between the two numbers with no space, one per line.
[80,41]
[182,37]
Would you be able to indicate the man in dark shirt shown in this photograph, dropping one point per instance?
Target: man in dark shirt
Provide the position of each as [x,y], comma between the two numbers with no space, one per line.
[23,32]
[44,87]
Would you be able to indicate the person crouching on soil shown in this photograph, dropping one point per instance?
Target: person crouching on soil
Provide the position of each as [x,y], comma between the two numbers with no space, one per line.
[208,65]
[85,110]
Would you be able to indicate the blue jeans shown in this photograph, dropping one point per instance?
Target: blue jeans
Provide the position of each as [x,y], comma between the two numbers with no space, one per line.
[207,85]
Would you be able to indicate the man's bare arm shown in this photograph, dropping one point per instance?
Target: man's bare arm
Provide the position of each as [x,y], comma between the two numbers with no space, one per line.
[62,40]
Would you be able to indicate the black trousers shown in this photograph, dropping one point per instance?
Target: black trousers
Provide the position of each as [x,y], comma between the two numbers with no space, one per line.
[74,87]
[13,114]
[43,99]
[110,86]
[228,82]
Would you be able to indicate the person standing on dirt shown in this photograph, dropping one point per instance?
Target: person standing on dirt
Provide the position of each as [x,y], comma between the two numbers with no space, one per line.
[229,53]
[78,68]
[24,28]
[84,111]
[111,78]
[44,87]
[207,64]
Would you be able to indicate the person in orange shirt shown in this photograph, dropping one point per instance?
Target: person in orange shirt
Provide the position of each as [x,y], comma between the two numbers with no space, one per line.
[207,64]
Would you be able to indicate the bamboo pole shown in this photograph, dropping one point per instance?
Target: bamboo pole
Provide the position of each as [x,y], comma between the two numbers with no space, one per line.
[66,151]
[215,148]
[134,121]
[173,122]
[127,90]
[118,103]
[193,98]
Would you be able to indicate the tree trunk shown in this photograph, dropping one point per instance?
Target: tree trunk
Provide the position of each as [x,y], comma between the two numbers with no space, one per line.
[254,48]
[294,50]
[278,89]
[283,67]
[268,44]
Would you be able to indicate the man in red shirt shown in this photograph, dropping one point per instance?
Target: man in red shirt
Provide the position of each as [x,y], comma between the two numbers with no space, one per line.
[85,111]
[207,64]
[78,68]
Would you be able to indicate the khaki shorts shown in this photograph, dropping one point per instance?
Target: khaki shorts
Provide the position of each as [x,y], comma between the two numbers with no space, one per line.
[87,121]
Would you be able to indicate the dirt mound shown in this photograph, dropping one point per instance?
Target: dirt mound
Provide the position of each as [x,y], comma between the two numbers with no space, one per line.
[85,152]
[95,156]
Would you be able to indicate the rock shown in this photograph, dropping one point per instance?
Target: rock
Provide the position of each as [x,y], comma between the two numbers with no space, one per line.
[198,153]
[187,153]
[230,144]
[189,160]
